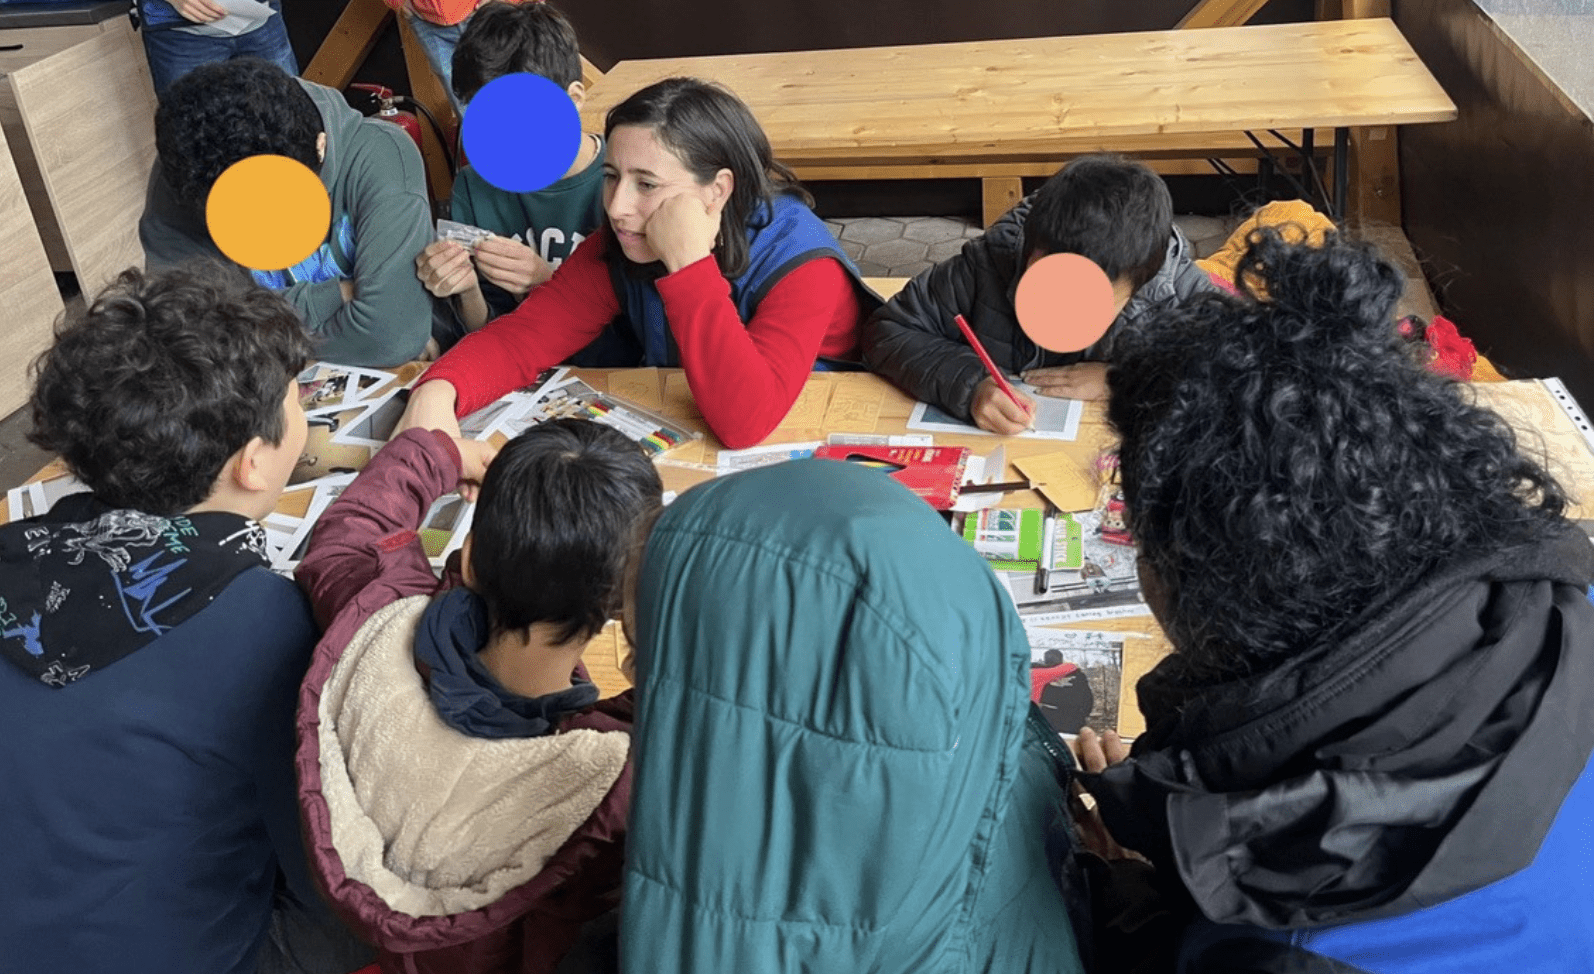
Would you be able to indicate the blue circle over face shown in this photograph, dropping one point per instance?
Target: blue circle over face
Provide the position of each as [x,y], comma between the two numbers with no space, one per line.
[521,132]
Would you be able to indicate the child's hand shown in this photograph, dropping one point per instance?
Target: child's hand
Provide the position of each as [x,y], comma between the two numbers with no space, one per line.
[993,411]
[682,230]
[445,268]
[1084,380]
[1096,752]
[199,11]
[474,458]
[511,265]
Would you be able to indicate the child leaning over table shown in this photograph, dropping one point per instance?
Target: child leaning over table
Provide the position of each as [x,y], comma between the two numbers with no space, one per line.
[464,789]
[151,659]
[1112,210]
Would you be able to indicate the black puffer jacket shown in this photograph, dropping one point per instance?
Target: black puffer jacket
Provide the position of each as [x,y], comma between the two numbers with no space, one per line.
[914,342]
[1424,756]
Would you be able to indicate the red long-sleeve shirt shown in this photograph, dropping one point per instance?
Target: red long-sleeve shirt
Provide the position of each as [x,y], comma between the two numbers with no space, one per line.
[744,377]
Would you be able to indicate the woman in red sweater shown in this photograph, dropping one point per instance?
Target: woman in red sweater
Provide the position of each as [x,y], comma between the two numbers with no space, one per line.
[711,251]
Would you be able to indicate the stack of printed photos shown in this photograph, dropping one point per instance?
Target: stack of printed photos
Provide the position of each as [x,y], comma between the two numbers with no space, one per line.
[351,412]
[558,395]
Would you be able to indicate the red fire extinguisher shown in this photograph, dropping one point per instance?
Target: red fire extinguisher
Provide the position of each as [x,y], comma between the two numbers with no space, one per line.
[387,110]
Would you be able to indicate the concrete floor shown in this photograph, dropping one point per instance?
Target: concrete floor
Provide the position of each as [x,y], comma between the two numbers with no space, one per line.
[882,246]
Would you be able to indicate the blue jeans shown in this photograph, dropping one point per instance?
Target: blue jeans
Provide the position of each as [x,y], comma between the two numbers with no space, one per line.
[173,53]
[439,42]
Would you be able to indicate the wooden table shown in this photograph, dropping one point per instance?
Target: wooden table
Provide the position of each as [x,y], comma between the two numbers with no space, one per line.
[1001,110]
[860,402]
[865,403]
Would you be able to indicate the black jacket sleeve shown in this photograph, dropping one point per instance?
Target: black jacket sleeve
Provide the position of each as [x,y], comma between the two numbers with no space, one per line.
[913,341]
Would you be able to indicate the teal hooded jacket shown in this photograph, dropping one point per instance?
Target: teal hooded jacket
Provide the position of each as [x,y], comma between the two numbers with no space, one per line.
[834,766]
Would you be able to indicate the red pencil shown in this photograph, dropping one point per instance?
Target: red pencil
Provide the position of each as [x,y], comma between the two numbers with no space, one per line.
[985,359]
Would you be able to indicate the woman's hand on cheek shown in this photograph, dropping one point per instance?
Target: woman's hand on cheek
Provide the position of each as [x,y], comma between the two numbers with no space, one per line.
[682,230]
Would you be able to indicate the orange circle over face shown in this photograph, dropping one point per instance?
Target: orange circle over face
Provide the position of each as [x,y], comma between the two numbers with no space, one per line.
[1064,302]
[268,212]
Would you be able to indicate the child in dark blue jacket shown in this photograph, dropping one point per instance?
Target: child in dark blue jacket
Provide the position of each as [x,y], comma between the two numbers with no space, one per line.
[151,660]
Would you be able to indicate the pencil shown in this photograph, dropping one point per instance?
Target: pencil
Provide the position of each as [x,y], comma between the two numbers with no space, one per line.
[990,366]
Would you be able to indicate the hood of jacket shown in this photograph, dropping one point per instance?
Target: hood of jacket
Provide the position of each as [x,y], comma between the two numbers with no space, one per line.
[832,702]
[342,125]
[1380,773]
[465,693]
[84,585]
[173,230]
[434,835]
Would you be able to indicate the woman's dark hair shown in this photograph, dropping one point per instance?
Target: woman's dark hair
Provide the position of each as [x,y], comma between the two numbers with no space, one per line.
[226,111]
[709,129]
[505,38]
[554,526]
[1289,466]
[1110,209]
[147,393]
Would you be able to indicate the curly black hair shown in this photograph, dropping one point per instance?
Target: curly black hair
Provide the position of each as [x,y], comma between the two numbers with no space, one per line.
[227,111]
[506,38]
[1289,466]
[147,393]
[1108,208]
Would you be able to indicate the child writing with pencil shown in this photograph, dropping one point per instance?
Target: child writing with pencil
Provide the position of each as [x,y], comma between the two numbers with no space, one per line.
[1115,212]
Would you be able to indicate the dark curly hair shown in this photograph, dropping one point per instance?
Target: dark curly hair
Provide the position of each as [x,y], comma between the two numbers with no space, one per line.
[708,128]
[1108,208]
[148,393]
[226,111]
[1288,465]
[507,38]
[554,524]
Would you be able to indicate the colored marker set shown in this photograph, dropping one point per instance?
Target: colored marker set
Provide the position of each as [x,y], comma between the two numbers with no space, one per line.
[652,432]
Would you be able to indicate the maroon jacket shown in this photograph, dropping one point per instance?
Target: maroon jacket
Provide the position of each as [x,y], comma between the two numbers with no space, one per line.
[365,556]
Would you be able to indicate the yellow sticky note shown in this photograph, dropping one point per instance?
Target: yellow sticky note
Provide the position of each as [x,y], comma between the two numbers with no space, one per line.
[854,409]
[1065,481]
[808,412]
[678,401]
[640,386]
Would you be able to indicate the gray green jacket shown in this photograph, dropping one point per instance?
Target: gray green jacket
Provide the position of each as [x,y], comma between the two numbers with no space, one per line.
[834,770]
[381,220]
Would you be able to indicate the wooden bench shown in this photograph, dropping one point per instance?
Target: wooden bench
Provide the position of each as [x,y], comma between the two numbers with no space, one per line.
[1001,110]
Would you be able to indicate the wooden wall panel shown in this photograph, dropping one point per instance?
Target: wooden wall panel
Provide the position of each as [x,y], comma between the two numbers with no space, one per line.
[29,301]
[1499,202]
[89,114]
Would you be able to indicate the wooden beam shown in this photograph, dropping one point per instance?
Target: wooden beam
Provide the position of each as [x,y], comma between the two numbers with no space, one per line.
[427,88]
[348,43]
[1221,13]
[590,75]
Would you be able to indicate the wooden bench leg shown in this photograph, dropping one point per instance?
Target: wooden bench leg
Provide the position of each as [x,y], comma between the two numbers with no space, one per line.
[1000,193]
[427,88]
[1374,163]
[1375,176]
